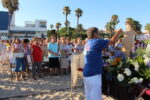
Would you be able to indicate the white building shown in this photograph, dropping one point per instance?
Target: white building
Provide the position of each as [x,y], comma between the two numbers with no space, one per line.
[38,28]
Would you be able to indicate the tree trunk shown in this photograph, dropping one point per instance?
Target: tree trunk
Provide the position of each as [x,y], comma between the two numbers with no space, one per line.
[66,23]
[68,31]
[77,21]
[77,24]
[57,33]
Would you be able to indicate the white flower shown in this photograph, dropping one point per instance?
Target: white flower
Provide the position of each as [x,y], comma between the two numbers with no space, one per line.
[127,71]
[110,60]
[146,61]
[144,56]
[136,80]
[136,66]
[120,77]
[148,47]
[140,80]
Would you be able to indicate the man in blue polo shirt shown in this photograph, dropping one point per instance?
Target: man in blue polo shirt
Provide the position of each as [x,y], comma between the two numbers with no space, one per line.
[93,62]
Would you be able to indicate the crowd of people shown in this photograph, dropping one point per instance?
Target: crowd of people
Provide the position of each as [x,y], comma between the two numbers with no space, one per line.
[34,52]
[53,51]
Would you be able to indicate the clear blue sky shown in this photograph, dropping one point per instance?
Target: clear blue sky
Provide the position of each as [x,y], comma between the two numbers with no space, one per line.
[96,12]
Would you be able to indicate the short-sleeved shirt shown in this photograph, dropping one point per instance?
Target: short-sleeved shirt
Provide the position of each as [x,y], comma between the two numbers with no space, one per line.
[79,47]
[65,48]
[19,47]
[54,48]
[93,56]
[37,53]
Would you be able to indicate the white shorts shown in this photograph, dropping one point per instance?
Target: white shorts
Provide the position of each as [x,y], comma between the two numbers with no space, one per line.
[93,87]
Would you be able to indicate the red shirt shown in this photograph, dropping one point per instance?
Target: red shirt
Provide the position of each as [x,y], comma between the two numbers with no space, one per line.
[37,53]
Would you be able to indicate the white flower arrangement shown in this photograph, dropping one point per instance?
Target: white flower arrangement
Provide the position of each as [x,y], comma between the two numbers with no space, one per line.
[127,71]
[136,80]
[120,77]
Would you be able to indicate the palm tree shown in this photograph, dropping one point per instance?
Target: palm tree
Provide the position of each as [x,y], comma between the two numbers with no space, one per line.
[58,25]
[12,6]
[51,26]
[67,23]
[66,12]
[111,25]
[79,13]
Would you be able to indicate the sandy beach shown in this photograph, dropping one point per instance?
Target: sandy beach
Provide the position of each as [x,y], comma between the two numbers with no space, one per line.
[45,88]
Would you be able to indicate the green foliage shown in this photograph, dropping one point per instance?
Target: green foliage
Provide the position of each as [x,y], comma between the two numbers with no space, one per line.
[50,32]
[72,33]
[146,74]
[82,35]
[109,27]
[62,31]
[140,52]
[147,27]
[144,71]
[80,28]
[146,41]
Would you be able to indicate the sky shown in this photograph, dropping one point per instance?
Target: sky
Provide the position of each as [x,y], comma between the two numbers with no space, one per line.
[96,13]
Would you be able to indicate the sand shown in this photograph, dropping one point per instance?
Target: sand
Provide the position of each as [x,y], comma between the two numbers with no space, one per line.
[45,88]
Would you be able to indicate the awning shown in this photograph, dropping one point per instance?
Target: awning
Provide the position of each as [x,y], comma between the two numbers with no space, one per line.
[29,32]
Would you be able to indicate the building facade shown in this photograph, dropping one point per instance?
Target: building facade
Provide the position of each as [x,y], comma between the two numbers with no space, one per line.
[38,28]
